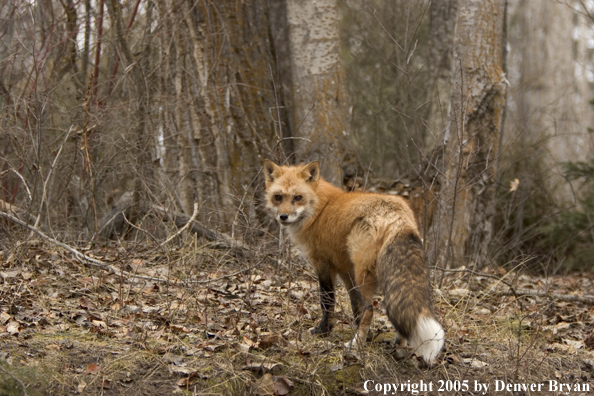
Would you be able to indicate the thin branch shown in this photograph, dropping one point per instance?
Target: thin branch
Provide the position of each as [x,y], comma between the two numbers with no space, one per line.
[139,229]
[49,175]
[24,393]
[304,118]
[97,50]
[587,299]
[479,274]
[24,182]
[80,256]
[188,224]
[372,12]
[117,60]
[89,261]
[220,239]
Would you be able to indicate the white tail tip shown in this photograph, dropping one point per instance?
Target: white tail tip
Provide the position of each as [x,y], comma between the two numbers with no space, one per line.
[427,339]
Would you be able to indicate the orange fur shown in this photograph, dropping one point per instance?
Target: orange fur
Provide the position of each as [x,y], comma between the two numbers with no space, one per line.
[366,239]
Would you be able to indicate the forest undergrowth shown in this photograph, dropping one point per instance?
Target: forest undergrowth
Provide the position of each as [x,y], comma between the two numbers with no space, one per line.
[192,319]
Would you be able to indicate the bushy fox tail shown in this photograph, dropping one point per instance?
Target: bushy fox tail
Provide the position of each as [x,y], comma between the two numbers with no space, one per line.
[403,275]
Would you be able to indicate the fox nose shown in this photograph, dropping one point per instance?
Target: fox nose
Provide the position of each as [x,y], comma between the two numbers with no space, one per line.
[283,217]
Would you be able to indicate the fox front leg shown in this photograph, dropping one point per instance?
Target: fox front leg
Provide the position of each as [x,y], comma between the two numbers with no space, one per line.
[327,301]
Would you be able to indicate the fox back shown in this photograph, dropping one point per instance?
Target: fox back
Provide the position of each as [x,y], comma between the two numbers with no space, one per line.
[368,240]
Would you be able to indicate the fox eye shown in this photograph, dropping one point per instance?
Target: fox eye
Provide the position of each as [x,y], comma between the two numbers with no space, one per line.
[297,198]
[278,197]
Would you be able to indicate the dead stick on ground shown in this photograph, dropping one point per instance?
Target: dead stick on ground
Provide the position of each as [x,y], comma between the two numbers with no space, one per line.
[89,261]
[188,224]
[587,299]
[17,380]
[512,290]
[220,240]
[80,256]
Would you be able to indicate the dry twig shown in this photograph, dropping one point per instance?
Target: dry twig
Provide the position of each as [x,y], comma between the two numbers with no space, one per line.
[24,393]
[185,227]
[89,261]
[586,299]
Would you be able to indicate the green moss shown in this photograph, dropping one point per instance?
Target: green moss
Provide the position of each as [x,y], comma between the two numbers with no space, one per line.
[30,377]
[339,380]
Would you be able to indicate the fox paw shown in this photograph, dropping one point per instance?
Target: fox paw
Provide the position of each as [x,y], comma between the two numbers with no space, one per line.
[399,341]
[320,331]
[354,342]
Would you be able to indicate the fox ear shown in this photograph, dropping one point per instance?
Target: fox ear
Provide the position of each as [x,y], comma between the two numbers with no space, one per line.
[311,172]
[271,170]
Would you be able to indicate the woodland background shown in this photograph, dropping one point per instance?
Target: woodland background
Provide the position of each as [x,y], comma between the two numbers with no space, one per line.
[132,135]
[120,106]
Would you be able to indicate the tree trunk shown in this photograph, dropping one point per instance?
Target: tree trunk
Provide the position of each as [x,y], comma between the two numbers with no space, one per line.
[167,144]
[224,104]
[444,15]
[183,128]
[462,230]
[143,146]
[550,107]
[282,81]
[190,115]
[320,99]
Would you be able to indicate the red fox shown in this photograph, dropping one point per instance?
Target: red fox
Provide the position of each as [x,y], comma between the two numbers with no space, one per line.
[368,240]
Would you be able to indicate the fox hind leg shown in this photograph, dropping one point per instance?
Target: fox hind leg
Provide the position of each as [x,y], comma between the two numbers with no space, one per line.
[364,243]
[399,340]
[366,285]
[355,295]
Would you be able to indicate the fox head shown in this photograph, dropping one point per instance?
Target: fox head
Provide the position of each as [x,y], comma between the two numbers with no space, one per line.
[291,191]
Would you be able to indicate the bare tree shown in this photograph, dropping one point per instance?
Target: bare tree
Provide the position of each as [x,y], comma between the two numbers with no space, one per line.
[148,106]
[462,227]
[320,98]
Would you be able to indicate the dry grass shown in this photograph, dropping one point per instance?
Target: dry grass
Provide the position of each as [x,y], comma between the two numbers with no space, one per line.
[69,329]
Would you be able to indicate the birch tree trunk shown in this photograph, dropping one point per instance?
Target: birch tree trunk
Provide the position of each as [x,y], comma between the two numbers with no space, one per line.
[320,98]
[462,227]
[188,188]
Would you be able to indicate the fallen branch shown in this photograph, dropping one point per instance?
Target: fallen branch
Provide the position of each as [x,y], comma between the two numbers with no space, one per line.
[10,208]
[24,393]
[80,256]
[185,227]
[511,288]
[91,262]
[114,222]
[220,240]
[587,299]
